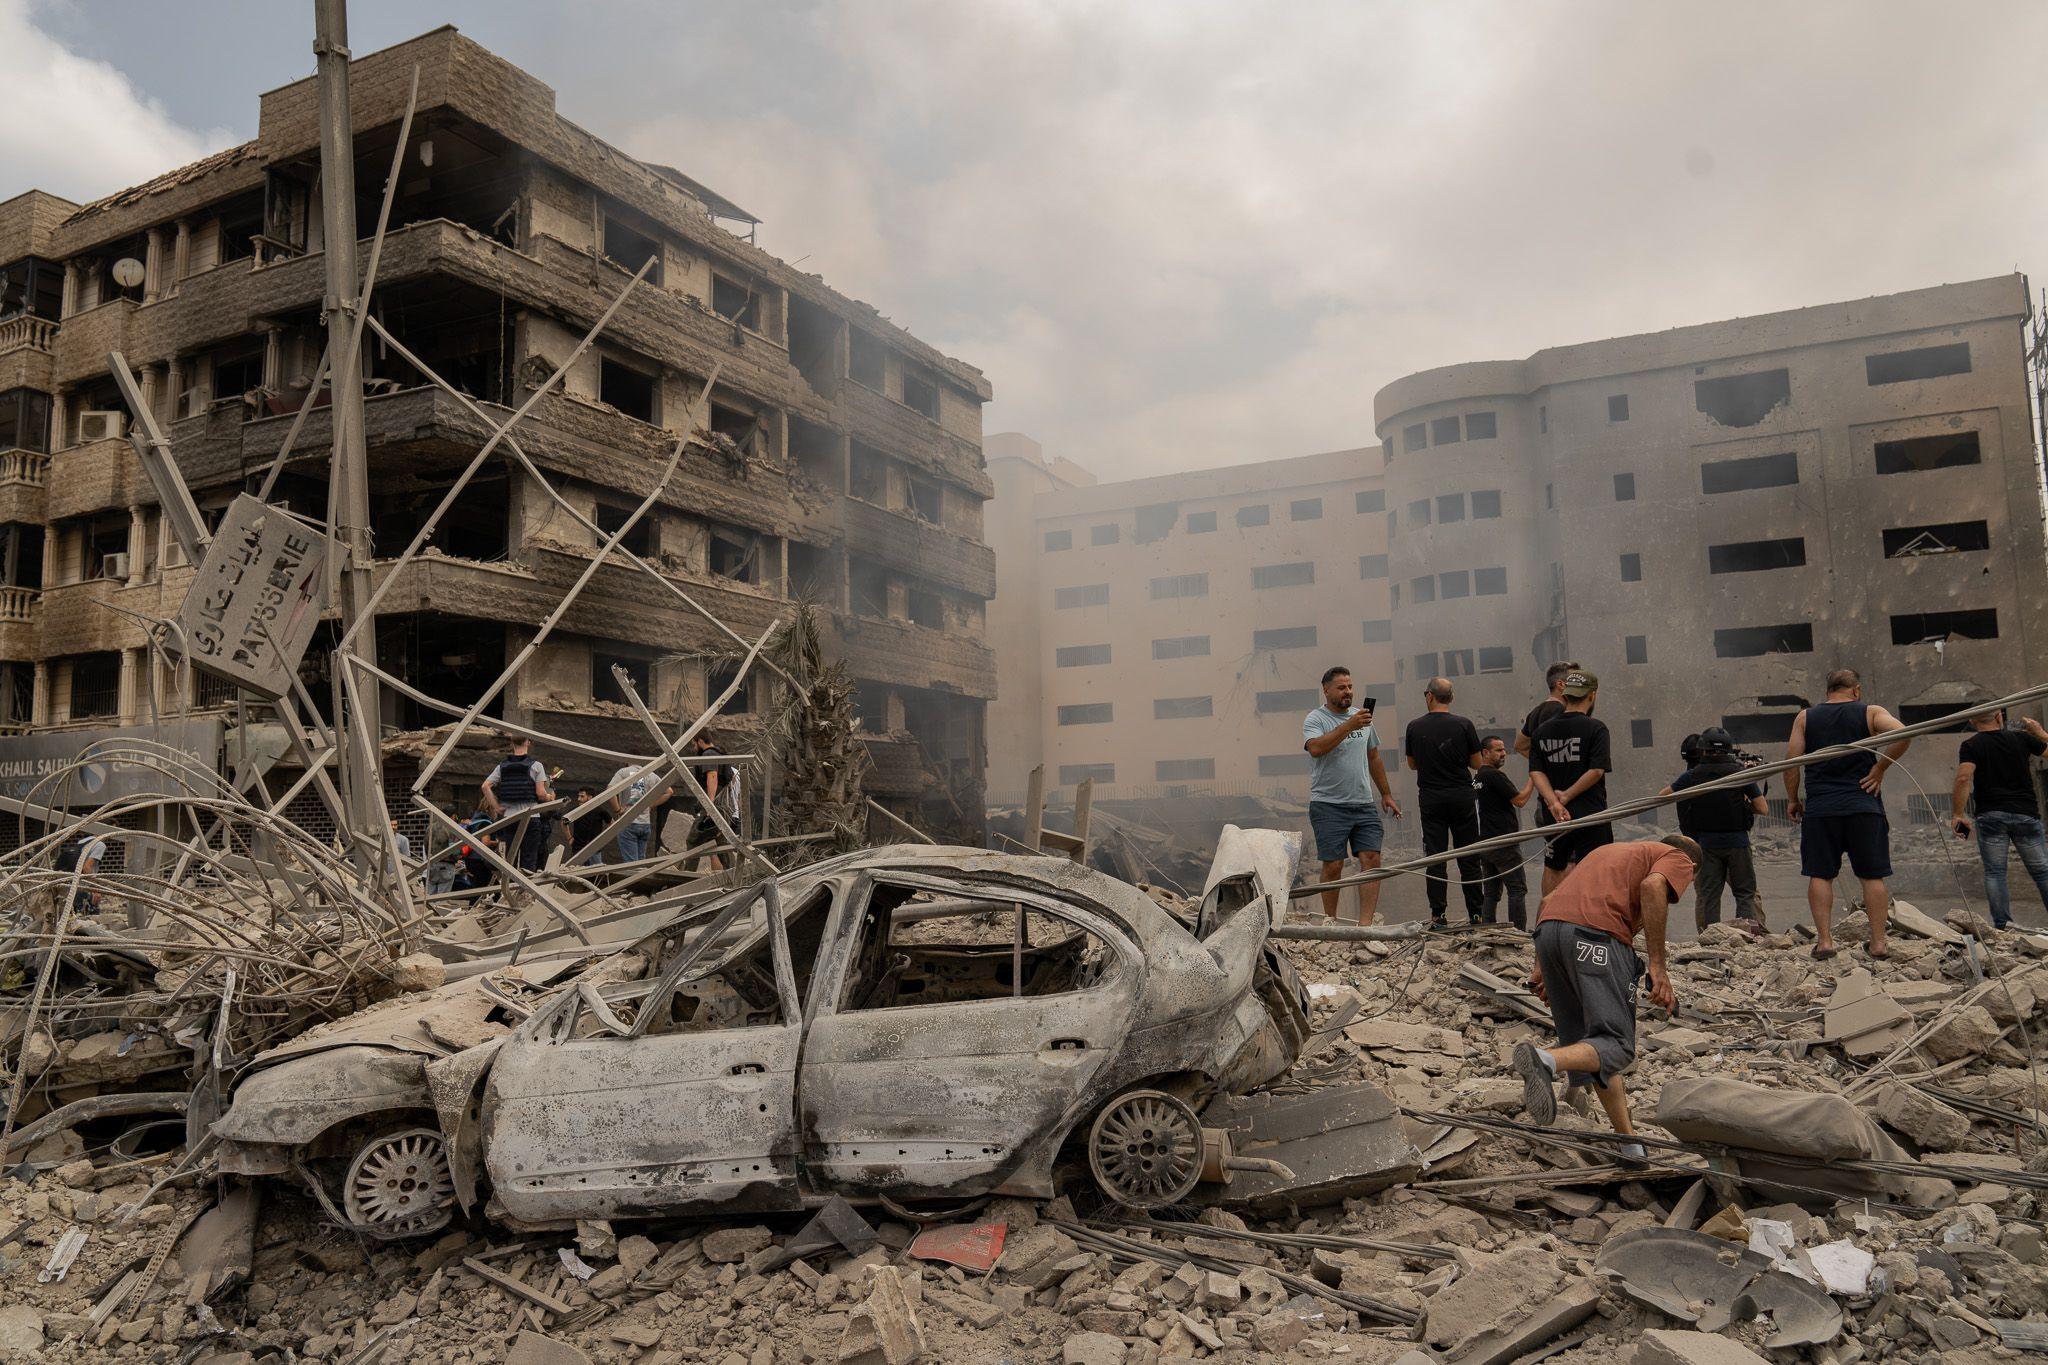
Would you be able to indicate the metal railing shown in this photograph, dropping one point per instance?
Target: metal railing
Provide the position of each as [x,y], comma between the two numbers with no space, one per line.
[27,333]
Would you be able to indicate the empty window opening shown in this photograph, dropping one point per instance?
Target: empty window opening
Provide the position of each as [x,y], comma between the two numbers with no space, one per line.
[920,394]
[1181,647]
[1184,770]
[106,546]
[1918,627]
[735,555]
[905,960]
[1074,774]
[1617,407]
[741,428]
[1742,400]
[1939,538]
[1748,642]
[1914,715]
[1480,426]
[1760,727]
[1372,566]
[1624,488]
[1182,708]
[1915,454]
[1543,419]
[627,389]
[1283,765]
[736,302]
[1199,522]
[869,475]
[1059,540]
[237,373]
[1376,632]
[1454,584]
[1295,699]
[1370,500]
[1492,582]
[1636,649]
[1088,713]
[1257,515]
[1285,637]
[926,608]
[1496,659]
[630,250]
[864,359]
[1418,512]
[1085,595]
[1426,666]
[1753,471]
[1180,585]
[1080,656]
[1458,663]
[1925,362]
[1283,575]
[1756,556]
[1415,437]
[1108,533]
[604,685]
[1443,431]
[870,588]
[814,345]
[1305,509]
[1421,590]
[1486,504]
[640,540]
[1450,507]
[1154,522]
[1632,568]
[927,501]
[1641,734]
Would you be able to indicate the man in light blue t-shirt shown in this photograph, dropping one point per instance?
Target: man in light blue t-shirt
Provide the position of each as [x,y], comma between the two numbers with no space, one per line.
[1347,789]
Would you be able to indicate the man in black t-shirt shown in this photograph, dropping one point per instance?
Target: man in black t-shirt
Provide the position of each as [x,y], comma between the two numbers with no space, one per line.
[1549,709]
[1569,760]
[1443,749]
[1500,804]
[1995,765]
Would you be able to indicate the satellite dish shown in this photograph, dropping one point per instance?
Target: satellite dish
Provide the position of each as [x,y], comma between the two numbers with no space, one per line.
[128,272]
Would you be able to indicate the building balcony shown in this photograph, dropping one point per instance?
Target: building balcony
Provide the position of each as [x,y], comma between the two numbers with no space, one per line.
[905,655]
[913,545]
[27,333]
[18,613]
[24,475]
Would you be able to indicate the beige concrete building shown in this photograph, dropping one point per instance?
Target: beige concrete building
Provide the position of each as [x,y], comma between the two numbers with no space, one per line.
[1713,517]
[844,463]
[1168,634]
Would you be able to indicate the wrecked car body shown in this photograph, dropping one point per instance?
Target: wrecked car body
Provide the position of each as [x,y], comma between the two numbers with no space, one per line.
[912,1023]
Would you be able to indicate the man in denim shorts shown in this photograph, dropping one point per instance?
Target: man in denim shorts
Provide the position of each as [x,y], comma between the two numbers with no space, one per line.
[1347,790]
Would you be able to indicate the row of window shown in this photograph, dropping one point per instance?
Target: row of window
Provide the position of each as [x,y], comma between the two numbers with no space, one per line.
[1736,400]
[1150,523]
[1789,552]
[1484,505]
[1455,583]
[1175,587]
[1463,663]
[1913,455]
[1908,628]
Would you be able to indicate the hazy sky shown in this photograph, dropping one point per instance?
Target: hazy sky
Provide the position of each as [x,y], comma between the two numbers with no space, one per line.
[1182,233]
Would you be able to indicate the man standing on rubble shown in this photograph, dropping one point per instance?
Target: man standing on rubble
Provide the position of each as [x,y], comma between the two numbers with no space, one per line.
[1587,970]
[1719,823]
[634,838]
[1500,805]
[1993,765]
[1844,808]
[1347,789]
[1568,760]
[519,783]
[1443,749]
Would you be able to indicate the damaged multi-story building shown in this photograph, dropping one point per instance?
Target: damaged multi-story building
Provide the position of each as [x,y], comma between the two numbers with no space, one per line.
[1713,517]
[843,467]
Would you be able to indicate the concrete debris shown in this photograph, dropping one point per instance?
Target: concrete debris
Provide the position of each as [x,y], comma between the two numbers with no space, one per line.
[1662,1346]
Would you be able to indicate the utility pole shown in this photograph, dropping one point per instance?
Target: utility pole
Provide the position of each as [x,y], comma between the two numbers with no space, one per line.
[348,487]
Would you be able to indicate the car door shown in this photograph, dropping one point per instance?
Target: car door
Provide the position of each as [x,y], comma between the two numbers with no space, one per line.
[588,1116]
[948,1098]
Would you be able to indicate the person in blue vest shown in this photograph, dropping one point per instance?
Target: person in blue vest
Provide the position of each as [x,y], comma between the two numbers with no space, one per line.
[516,784]
[1843,813]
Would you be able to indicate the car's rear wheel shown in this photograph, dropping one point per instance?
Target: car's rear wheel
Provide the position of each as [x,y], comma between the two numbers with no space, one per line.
[399,1184]
[1145,1149]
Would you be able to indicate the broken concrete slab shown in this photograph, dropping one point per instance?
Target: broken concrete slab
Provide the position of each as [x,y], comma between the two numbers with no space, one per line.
[1663,1346]
[1967,1032]
[1504,1305]
[1863,1020]
[884,1330]
[1917,1115]
[1392,1035]
[1702,1279]
[1092,1348]
[1909,918]
[1339,1142]
[532,1348]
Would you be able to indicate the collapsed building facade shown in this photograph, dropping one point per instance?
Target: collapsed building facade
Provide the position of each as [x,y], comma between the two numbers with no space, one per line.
[843,464]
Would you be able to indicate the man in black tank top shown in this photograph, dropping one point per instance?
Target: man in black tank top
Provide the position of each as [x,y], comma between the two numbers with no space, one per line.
[1843,812]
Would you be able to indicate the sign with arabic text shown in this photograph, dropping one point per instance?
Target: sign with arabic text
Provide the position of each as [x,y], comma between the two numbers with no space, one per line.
[251,612]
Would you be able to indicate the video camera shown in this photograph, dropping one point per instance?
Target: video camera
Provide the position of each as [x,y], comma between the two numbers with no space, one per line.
[1713,742]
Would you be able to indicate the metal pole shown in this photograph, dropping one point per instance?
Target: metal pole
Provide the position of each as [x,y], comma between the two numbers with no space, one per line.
[348,488]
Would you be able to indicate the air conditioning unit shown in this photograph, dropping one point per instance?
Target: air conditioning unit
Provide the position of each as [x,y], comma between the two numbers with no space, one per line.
[114,565]
[101,425]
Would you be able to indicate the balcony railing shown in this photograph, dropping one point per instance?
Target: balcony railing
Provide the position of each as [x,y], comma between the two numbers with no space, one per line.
[27,333]
[18,604]
[24,467]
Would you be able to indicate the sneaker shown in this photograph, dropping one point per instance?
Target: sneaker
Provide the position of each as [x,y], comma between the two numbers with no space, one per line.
[1633,1154]
[1539,1087]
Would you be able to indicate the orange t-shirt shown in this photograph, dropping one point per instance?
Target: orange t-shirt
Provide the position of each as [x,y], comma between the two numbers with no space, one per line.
[1600,893]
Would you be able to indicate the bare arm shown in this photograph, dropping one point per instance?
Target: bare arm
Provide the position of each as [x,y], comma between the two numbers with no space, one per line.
[1653,899]
[1959,799]
[1759,805]
[1795,747]
[1380,783]
[1521,797]
[2033,727]
[491,794]
[1521,744]
[1883,722]
[1475,760]
[1330,739]
[1586,780]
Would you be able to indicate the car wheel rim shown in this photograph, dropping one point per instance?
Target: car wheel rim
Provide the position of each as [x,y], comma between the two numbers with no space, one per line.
[399,1184]
[1146,1149]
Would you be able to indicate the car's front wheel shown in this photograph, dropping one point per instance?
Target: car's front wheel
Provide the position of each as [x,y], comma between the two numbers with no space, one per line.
[399,1185]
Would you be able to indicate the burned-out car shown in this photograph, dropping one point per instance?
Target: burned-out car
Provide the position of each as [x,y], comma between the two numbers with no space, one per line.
[910,1024]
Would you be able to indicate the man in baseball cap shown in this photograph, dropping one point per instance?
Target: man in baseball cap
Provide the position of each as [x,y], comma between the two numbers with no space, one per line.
[1569,758]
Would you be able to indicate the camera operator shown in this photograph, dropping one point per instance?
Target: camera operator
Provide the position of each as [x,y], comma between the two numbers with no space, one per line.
[1719,823]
